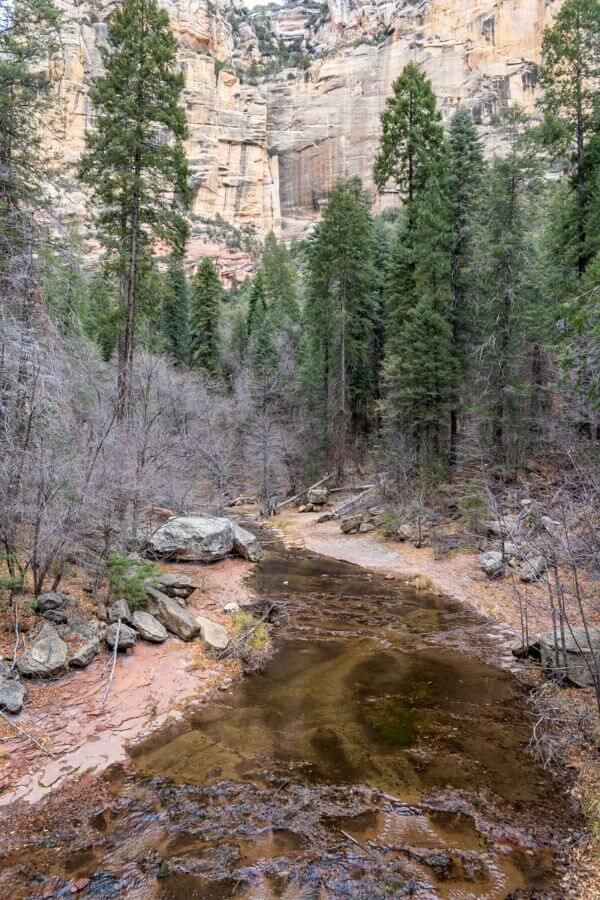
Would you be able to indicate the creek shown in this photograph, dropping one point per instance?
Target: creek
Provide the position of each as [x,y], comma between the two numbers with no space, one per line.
[372,758]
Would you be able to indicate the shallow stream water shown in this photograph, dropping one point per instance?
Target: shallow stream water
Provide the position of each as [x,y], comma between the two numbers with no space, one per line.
[372,758]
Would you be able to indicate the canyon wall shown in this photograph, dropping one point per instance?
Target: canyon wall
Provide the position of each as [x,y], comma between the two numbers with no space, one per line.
[282,101]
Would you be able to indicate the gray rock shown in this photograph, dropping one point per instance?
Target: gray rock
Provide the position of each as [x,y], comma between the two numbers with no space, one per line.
[507,527]
[175,618]
[533,567]
[511,551]
[246,544]
[317,496]
[12,694]
[56,616]
[51,600]
[366,527]
[85,644]
[120,610]
[175,585]
[127,636]
[580,659]
[48,654]
[492,563]
[148,627]
[404,532]
[326,517]
[212,633]
[231,607]
[351,523]
[192,538]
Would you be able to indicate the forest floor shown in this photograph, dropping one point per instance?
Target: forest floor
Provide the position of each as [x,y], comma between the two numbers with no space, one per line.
[151,686]
[459,576]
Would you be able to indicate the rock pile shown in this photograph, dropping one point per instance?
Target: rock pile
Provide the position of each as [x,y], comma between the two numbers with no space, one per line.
[364,521]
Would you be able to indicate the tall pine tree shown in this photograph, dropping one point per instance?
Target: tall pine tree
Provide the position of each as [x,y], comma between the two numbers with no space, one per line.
[205,317]
[134,163]
[175,312]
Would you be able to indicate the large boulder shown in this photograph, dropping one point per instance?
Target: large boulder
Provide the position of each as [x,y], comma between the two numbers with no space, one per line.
[246,544]
[580,662]
[212,633]
[48,654]
[84,643]
[12,692]
[127,636]
[176,585]
[148,627]
[192,539]
[492,563]
[119,610]
[317,496]
[174,617]
[533,567]
[51,601]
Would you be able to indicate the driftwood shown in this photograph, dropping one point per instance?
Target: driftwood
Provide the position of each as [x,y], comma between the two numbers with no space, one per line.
[351,487]
[114,663]
[353,501]
[358,844]
[302,493]
[26,734]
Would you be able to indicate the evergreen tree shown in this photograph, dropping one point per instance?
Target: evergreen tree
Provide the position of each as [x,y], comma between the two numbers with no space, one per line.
[280,282]
[175,311]
[137,179]
[433,240]
[569,77]
[29,32]
[412,134]
[419,378]
[205,317]
[339,313]
[101,315]
[465,187]
[508,291]
[258,301]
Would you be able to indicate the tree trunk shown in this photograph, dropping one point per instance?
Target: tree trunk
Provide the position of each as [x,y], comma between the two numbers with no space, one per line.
[127,299]
[581,257]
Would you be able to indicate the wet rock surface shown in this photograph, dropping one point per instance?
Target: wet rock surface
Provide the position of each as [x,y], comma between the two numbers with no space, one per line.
[373,758]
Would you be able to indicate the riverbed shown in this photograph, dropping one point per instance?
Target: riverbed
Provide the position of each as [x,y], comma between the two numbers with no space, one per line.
[374,757]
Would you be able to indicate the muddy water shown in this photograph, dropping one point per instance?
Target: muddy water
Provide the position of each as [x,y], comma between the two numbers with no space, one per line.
[368,760]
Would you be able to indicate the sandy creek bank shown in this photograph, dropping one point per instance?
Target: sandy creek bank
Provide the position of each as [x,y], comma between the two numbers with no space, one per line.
[372,758]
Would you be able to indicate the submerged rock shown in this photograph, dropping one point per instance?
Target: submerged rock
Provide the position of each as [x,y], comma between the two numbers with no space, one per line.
[192,539]
[48,655]
[174,617]
[148,627]
[246,544]
[127,636]
[213,634]
[579,663]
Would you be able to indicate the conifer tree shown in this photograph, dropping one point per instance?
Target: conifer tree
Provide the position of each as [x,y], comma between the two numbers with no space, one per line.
[569,78]
[258,301]
[419,379]
[280,282]
[175,311]
[137,178]
[205,317]
[339,312]
[29,34]
[412,134]
[466,167]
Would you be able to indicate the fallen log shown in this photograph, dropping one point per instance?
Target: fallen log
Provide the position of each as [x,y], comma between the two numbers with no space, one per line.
[302,493]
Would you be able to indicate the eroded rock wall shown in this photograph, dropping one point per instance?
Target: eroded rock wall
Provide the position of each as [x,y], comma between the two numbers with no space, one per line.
[265,150]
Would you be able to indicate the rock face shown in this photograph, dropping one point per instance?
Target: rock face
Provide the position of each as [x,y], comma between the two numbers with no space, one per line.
[192,538]
[265,151]
[175,618]
[47,655]
[148,627]
[580,662]
[246,544]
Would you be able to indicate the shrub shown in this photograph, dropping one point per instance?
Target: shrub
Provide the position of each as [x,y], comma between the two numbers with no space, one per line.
[126,579]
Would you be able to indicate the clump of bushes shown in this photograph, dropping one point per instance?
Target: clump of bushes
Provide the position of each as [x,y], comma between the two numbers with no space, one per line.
[127,580]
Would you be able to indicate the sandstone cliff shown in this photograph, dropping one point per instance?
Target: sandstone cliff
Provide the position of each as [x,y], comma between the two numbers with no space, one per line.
[283,100]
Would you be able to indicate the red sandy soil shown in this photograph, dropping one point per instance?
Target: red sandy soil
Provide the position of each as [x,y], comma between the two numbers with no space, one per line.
[150,686]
